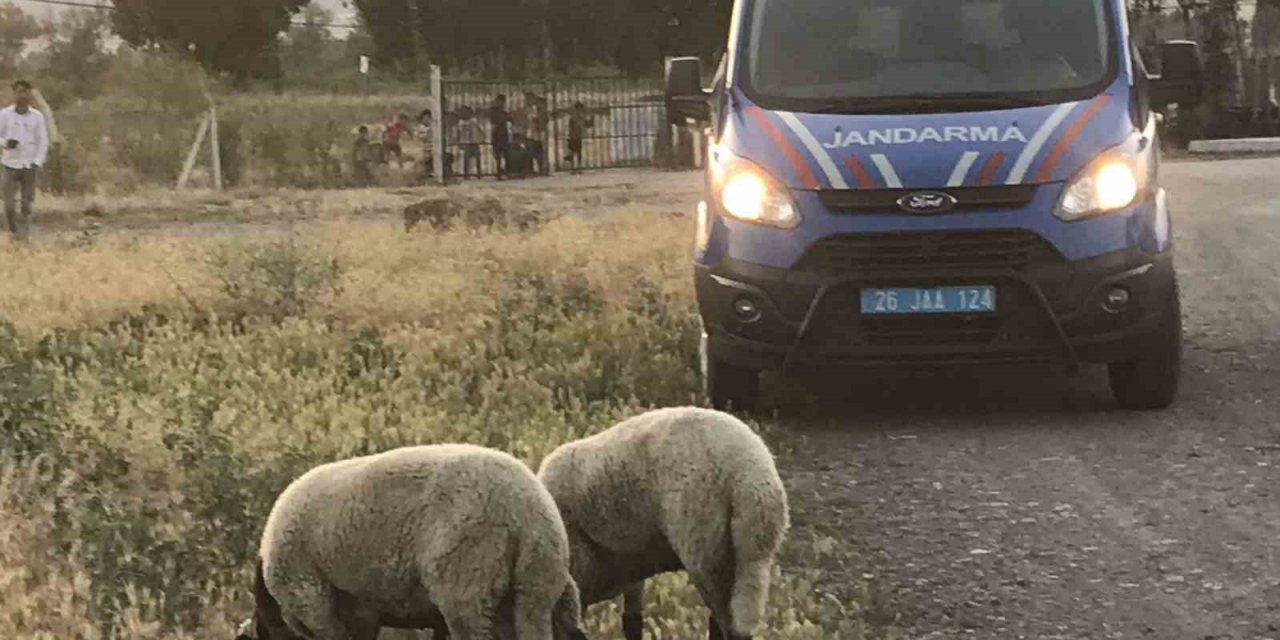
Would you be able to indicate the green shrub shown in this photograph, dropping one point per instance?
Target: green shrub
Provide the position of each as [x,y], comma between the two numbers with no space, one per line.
[277,279]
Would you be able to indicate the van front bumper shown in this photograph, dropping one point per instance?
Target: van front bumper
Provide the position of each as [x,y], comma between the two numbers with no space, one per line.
[1048,309]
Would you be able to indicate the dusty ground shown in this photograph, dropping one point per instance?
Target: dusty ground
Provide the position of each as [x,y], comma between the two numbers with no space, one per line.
[258,211]
[992,504]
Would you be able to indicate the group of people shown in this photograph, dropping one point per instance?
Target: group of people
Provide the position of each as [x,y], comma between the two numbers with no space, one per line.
[365,153]
[517,138]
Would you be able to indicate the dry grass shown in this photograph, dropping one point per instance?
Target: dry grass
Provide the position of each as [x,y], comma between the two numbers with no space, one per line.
[158,399]
[139,131]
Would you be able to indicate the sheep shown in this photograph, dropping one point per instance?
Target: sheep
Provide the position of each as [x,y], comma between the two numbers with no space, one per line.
[435,536]
[681,488]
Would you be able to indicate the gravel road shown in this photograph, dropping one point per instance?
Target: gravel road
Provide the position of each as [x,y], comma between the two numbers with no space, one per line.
[1023,504]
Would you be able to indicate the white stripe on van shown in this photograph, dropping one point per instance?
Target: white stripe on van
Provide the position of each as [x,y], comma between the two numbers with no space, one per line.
[1037,142]
[819,154]
[886,169]
[962,168]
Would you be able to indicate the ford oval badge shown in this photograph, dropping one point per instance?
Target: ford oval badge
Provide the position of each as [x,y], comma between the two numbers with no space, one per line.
[926,202]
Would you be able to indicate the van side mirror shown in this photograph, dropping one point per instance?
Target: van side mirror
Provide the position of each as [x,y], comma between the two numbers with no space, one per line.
[1181,78]
[686,99]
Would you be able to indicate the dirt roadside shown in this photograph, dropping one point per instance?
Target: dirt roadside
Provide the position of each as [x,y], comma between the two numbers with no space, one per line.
[253,211]
[1021,504]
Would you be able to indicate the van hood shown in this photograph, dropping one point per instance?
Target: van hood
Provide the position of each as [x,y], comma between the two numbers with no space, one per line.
[1031,145]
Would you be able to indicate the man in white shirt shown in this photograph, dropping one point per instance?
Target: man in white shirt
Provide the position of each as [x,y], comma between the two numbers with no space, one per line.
[24,139]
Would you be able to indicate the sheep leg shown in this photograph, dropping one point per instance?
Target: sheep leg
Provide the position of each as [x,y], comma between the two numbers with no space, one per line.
[715,585]
[714,632]
[470,626]
[361,624]
[633,612]
[533,616]
[440,632]
[566,615]
[312,611]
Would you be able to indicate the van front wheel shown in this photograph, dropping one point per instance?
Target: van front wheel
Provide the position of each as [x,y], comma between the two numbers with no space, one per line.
[1150,381]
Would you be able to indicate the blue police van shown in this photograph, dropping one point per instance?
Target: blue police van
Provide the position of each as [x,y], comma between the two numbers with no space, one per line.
[933,182]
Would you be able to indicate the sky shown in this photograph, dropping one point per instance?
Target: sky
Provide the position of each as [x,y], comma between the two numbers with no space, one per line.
[343,14]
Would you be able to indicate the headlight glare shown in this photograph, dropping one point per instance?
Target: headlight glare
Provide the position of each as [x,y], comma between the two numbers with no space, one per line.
[1112,182]
[1115,185]
[749,194]
[744,195]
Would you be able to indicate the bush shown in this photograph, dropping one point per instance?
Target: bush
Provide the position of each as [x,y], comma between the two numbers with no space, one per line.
[277,279]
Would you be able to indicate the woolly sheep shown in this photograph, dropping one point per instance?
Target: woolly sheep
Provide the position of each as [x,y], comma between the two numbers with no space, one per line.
[415,538]
[681,488]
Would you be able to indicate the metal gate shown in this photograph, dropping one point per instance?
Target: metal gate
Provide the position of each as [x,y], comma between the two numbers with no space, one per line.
[552,126]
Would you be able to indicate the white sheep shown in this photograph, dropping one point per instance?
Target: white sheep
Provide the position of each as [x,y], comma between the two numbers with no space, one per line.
[416,537]
[673,489]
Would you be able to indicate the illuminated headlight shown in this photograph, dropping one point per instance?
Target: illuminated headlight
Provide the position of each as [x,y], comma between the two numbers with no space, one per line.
[749,194]
[1112,182]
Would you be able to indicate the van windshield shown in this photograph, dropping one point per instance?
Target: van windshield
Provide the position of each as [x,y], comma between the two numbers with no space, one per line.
[909,55]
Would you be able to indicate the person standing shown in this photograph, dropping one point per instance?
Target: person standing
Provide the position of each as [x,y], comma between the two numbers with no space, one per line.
[469,135]
[500,133]
[534,124]
[579,121]
[362,158]
[25,137]
[391,139]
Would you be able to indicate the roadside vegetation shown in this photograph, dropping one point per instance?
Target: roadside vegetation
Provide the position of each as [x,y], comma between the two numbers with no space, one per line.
[159,394]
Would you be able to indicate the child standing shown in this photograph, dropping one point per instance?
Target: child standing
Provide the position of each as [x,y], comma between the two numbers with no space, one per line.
[500,133]
[579,121]
[470,135]
[362,158]
[391,139]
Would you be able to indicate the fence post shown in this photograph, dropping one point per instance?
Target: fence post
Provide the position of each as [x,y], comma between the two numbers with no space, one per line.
[437,128]
[546,112]
[195,148]
[56,148]
[215,153]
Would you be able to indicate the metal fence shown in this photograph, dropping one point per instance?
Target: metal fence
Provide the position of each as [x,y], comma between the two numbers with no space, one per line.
[559,125]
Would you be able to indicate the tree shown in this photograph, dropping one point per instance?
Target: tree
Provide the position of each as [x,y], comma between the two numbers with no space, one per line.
[394,27]
[75,55]
[1266,28]
[1220,70]
[239,37]
[16,28]
[512,38]
[309,53]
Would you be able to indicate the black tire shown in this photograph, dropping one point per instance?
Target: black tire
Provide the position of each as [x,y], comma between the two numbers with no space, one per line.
[730,388]
[1151,380]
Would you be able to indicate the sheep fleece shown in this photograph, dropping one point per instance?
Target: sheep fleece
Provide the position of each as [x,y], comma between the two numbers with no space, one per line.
[454,526]
[673,488]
